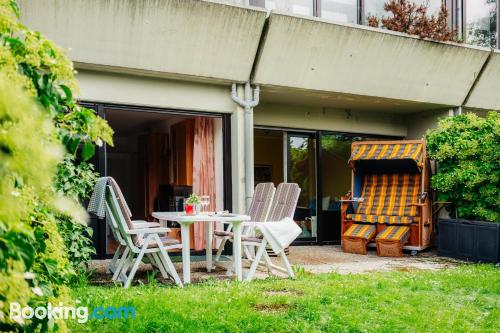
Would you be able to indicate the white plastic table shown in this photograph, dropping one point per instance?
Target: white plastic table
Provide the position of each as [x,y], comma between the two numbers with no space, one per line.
[186,220]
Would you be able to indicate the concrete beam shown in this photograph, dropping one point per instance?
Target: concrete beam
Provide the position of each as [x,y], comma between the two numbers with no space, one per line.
[329,119]
[486,92]
[170,38]
[317,55]
[115,88]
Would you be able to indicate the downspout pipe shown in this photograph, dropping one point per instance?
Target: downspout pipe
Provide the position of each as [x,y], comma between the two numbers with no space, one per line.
[250,100]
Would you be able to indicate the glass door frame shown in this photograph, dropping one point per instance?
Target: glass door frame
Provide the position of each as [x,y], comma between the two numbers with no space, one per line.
[306,134]
[317,134]
[99,227]
[320,134]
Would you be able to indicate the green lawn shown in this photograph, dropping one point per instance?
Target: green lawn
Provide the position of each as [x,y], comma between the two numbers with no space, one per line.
[463,299]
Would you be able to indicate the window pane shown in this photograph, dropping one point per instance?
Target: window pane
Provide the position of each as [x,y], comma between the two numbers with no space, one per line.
[340,10]
[302,7]
[302,170]
[376,7]
[481,18]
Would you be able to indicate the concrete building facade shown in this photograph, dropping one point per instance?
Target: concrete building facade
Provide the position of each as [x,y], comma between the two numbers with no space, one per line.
[320,79]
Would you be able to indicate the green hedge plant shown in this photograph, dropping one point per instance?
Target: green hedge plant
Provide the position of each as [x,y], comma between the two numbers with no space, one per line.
[45,140]
[467,149]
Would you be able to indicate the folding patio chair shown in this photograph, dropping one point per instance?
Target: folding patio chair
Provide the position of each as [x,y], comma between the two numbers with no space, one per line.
[120,254]
[139,224]
[281,214]
[139,242]
[97,206]
[258,211]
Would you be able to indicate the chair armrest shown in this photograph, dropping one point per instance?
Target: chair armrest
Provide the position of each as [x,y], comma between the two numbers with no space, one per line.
[144,224]
[253,224]
[360,199]
[148,231]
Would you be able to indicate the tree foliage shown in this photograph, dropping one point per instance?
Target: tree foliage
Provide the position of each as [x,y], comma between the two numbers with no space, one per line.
[411,18]
[45,137]
[467,148]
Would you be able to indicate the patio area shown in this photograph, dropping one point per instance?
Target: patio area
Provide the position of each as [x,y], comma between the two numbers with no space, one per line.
[310,259]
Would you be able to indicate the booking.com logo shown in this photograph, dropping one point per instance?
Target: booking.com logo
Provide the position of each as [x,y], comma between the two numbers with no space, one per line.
[81,314]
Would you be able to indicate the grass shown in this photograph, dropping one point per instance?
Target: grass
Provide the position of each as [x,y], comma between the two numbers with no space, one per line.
[463,299]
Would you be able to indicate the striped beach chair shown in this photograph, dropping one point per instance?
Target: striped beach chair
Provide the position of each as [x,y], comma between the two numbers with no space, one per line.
[356,237]
[390,241]
[390,199]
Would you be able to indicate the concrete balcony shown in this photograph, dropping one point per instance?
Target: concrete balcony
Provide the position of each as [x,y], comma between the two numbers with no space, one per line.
[296,60]
[171,38]
[344,65]
[486,92]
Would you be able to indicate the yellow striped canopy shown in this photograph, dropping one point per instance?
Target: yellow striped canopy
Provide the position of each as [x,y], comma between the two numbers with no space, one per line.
[388,151]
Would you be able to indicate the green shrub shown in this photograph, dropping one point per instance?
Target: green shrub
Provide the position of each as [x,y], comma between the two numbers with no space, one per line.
[467,148]
[75,179]
[39,209]
[29,241]
[77,241]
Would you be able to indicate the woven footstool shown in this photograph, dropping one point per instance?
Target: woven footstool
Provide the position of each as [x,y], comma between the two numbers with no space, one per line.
[391,240]
[356,237]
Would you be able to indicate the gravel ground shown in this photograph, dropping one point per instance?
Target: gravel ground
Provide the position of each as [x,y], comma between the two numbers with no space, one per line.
[314,259]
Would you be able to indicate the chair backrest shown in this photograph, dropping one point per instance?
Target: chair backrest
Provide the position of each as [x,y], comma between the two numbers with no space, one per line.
[390,194]
[117,216]
[284,202]
[111,222]
[261,202]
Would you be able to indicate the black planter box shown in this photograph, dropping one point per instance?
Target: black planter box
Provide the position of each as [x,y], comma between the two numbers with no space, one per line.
[470,240]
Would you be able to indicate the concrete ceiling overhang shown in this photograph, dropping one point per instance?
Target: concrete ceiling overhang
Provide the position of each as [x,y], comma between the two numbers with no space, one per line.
[344,61]
[170,38]
[486,91]
[326,100]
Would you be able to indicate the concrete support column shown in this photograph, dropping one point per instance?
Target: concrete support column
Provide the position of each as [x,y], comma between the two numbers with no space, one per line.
[238,156]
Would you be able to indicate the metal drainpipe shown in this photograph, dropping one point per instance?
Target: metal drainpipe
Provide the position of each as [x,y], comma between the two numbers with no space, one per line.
[248,103]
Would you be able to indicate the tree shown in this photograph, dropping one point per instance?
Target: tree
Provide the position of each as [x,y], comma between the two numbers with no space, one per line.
[482,30]
[413,19]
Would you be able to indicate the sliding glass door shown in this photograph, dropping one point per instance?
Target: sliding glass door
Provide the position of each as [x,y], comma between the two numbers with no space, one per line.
[285,156]
[335,181]
[301,169]
[317,162]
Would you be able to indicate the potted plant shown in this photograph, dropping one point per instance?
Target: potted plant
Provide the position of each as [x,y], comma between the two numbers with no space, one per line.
[467,149]
[192,205]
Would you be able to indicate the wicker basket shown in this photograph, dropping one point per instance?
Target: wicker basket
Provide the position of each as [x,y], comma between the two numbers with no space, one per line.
[354,245]
[389,248]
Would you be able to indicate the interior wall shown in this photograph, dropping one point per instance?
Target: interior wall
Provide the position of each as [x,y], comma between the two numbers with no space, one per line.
[336,178]
[122,164]
[268,150]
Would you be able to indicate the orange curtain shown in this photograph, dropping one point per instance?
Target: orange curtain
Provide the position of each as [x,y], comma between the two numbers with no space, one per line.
[203,170]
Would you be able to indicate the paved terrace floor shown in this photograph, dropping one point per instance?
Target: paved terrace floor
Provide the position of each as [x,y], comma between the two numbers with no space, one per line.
[314,259]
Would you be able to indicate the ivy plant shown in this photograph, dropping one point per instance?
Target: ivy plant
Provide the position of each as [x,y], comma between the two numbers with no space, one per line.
[75,179]
[40,123]
[467,149]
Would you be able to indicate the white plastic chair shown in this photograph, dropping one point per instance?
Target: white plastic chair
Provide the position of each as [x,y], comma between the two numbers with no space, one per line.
[139,242]
[283,206]
[258,211]
[138,224]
